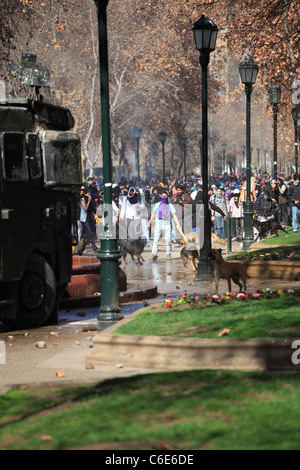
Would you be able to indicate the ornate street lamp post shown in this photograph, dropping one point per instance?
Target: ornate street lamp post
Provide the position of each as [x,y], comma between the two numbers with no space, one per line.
[248,70]
[224,159]
[295,118]
[137,134]
[234,159]
[183,141]
[109,252]
[258,160]
[275,94]
[163,137]
[265,155]
[205,34]
[243,151]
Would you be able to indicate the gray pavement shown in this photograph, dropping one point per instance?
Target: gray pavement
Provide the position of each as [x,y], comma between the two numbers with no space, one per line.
[56,356]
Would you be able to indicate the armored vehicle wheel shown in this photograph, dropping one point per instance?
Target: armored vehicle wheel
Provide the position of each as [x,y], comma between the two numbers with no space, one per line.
[37,293]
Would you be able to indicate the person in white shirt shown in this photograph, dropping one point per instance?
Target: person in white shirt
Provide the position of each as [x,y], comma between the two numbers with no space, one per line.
[236,211]
[83,221]
[163,213]
[130,216]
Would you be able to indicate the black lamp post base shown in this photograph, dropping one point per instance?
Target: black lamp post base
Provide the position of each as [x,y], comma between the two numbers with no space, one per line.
[107,319]
[248,225]
[109,269]
[205,270]
[247,242]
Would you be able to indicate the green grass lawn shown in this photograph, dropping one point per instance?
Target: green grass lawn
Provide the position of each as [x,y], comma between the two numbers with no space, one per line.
[276,317]
[170,411]
[191,410]
[284,247]
[289,238]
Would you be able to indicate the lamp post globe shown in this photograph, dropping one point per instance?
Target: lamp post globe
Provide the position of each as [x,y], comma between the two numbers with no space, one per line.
[163,137]
[205,35]
[183,140]
[275,94]
[248,70]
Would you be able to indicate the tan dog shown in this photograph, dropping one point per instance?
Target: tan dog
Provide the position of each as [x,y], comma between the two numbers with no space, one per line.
[79,248]
[191,254]
[192,237]
[225,270]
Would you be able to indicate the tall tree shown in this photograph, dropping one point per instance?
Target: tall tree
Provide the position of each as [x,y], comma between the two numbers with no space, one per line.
[154,68]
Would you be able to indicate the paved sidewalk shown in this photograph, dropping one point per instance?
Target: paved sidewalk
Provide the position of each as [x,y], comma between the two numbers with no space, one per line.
[53,357]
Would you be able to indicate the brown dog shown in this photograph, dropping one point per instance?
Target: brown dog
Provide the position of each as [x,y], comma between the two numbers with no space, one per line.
[225,270]
[80,247]
[191,254]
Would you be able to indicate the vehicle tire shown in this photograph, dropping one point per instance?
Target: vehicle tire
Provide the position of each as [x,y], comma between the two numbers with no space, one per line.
[37,293]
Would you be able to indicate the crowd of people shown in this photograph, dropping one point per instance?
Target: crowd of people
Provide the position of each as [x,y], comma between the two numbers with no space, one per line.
[174,206]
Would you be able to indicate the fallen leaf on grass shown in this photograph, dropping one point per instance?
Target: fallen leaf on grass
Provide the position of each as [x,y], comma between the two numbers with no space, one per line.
[226,331]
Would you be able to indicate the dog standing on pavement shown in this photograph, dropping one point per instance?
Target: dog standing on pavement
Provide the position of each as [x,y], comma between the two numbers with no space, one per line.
[225,270]
[81,245]
[191,254]
[133,248]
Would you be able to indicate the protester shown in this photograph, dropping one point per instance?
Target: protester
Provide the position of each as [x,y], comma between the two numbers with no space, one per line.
[131,215]
[279,199]
[83,221]
[295,200]
[283,204]
[236,211]
[162,213]
[182,202]
[219,200]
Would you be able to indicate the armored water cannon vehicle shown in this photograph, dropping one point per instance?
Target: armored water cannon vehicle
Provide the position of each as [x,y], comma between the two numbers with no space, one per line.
[40,165]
